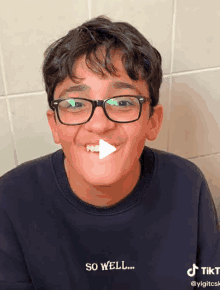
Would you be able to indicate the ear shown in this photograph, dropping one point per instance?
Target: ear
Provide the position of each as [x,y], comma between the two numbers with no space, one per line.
[155,123]
[53,125]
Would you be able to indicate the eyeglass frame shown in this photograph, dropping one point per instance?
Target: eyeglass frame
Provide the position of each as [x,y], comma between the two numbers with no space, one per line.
[100,103]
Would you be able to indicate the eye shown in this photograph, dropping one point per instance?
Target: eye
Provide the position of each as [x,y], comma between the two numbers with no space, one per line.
[73,104]
[123,101]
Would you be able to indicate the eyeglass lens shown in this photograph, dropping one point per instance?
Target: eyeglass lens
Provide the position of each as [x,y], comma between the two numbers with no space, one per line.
[121,109]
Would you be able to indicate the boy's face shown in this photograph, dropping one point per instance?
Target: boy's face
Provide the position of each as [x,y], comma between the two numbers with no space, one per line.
[130,137]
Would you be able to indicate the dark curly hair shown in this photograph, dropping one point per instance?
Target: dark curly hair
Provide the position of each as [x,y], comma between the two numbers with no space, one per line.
[140,59]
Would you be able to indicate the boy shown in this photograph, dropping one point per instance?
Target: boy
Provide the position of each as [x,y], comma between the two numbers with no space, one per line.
[106,211]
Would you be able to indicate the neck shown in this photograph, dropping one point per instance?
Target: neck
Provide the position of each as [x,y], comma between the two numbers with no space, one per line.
[102,195]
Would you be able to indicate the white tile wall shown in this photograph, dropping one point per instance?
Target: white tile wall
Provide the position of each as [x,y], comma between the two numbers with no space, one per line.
[27,28]
[197,42]
[194,114]
[185,32]
[31,130]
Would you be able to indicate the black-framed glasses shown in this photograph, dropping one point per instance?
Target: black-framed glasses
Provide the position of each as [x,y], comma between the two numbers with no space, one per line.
[119,109]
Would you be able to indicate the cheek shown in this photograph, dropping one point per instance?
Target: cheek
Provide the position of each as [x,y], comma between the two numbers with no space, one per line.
[67,133]
[135,129]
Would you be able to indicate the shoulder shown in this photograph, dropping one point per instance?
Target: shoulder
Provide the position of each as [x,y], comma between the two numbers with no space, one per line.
[26,167]
[175,165]
[26,174]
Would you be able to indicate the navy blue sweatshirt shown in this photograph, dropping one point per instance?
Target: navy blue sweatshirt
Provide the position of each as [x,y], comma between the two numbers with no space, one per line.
[51,239]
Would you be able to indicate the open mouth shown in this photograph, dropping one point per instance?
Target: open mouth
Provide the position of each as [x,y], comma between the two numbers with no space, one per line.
[96,151]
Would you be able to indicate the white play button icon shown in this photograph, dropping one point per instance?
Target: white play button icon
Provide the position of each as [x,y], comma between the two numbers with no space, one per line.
[105,149]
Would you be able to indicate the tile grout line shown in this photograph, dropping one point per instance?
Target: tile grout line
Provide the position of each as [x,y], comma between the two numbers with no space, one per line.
[202,156]
[26,94]
[192,72]
[195,71]
[8,106]
[171,69]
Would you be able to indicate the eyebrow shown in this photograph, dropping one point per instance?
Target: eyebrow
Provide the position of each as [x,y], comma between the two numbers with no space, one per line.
[123,85]
[78,88]
[83,88]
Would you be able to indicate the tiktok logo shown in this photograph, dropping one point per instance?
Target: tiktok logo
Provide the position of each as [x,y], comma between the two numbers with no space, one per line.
[192,271]
[205,270]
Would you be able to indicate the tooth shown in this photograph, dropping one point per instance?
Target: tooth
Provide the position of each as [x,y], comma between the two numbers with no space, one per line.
[92,148]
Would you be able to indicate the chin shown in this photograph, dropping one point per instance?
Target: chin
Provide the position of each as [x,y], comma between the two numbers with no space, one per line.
[101,178]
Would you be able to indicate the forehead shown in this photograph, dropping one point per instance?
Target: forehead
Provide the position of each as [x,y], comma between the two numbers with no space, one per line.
[80,67]
[116,59]
[96,81]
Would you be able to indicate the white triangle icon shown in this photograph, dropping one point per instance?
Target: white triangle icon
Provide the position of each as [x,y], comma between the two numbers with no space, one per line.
[105,149]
